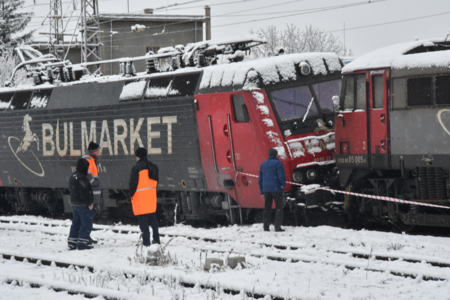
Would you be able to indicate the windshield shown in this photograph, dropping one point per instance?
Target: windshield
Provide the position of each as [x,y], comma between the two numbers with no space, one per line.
[325,92]
[292,103]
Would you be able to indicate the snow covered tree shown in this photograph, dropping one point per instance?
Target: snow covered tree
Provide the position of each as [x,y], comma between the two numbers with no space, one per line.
[294,40]
[12,23]
[8,62]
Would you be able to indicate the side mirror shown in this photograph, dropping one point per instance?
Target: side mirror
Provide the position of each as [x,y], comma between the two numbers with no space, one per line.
[336,104]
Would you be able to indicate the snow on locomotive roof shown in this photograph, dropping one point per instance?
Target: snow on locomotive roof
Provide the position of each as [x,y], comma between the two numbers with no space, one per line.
[271,69]
[402,56]
[99,79]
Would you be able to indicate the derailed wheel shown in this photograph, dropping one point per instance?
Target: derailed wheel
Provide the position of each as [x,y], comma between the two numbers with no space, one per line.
[402,227]
[397,223]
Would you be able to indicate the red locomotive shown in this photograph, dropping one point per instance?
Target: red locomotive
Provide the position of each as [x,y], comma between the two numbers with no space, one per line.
[205,124]
[392,136]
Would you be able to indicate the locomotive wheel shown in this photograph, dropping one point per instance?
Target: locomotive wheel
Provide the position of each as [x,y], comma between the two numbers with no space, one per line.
[402,227]
[235,218]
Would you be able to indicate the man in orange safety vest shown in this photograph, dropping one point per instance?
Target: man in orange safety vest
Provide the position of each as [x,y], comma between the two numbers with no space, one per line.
[143,182]
[91,155]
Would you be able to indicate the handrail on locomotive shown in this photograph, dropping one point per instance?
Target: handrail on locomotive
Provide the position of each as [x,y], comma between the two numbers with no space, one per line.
[202,54]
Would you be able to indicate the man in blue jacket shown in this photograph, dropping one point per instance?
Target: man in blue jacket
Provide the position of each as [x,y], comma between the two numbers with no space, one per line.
[271,183]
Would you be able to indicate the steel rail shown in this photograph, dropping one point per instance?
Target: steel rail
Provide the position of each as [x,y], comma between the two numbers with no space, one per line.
[353,253]
[185,283]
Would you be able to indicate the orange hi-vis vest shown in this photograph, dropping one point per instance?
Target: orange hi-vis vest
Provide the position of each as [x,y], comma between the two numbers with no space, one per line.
[144,199]
[93,170]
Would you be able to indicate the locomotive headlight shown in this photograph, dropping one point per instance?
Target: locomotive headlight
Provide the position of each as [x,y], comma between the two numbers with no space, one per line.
[311,174]
[297,177]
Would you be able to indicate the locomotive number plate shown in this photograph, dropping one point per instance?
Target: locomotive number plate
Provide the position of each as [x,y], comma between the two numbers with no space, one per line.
[352,160]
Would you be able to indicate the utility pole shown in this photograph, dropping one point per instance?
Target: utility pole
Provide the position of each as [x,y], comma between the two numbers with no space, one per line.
[90,33]
[345,49]
[207,22]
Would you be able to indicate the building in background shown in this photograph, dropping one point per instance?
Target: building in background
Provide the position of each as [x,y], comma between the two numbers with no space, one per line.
[153,33]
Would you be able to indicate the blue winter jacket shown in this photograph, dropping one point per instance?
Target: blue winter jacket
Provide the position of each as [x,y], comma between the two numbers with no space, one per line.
[271,176]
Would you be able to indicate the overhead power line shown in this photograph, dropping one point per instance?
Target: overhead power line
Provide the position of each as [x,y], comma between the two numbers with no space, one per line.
[392,22]
[250,21]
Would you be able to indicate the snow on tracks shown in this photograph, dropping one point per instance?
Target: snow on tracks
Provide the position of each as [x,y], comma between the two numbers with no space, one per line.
[425,267]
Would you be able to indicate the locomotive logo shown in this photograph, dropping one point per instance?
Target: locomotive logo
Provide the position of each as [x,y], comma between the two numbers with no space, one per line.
[439,116]
[23,147]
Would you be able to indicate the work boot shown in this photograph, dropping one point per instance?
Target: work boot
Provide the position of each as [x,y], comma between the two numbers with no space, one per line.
[72,243]
[91,241]
[85,247]
[279,230]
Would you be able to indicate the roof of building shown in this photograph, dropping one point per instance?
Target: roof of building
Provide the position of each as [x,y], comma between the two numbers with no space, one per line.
[432,53]
[149,17]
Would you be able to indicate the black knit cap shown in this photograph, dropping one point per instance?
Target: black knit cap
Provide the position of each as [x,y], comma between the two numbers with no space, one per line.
[93,147]
[273,152]
[141,152]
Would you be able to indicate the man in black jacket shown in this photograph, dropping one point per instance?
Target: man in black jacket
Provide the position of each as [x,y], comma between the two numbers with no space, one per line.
[81,199]
[143,182]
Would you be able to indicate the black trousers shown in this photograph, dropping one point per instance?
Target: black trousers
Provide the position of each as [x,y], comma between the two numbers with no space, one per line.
[279,204]
[143,225]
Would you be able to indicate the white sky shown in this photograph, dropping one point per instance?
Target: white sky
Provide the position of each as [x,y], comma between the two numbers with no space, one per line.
[426,19]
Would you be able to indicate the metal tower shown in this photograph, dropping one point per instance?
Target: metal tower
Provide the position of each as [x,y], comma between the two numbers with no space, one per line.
[56,34]
[90,32]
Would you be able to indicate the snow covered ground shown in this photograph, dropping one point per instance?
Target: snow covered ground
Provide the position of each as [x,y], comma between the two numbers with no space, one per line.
[300,263]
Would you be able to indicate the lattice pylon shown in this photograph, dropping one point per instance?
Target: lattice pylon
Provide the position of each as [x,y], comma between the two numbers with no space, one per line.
[90,44]
[56,36]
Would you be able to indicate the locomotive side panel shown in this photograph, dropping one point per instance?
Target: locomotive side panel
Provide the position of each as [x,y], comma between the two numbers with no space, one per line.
[40,147]
[420,133]
[236,130]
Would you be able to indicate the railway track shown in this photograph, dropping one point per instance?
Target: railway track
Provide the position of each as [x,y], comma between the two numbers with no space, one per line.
[172,282]
[397,264]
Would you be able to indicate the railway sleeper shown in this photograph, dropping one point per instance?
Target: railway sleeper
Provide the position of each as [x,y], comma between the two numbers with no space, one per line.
[280,247]
[127,274]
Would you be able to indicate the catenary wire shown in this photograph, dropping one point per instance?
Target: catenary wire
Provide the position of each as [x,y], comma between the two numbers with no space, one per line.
[249,21]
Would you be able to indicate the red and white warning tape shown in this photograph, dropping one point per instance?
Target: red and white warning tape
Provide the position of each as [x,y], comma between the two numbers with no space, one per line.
[361,195]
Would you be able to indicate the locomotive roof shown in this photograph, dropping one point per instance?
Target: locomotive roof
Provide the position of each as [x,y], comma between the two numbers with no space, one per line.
[98,79]
[270,70]
[406,57]
[267,71]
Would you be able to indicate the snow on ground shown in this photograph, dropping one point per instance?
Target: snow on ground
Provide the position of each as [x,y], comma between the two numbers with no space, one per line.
[315,267]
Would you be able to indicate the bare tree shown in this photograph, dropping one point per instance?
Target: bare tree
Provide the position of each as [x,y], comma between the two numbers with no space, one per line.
[294,40]
[273,41]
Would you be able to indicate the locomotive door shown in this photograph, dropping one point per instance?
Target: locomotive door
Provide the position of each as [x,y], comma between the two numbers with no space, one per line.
[379,120]
[351,125]
[220,112]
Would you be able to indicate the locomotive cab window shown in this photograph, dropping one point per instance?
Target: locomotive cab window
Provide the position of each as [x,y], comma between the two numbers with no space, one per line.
[240,110]
[419,91]
[5,100]
[294,103]
[184,85]
[443,90]
[133,90]
[20,100]
[40,99]
[349,97]
[355,93]
[325,92]
[361,92]
[377,92]
[158,87]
